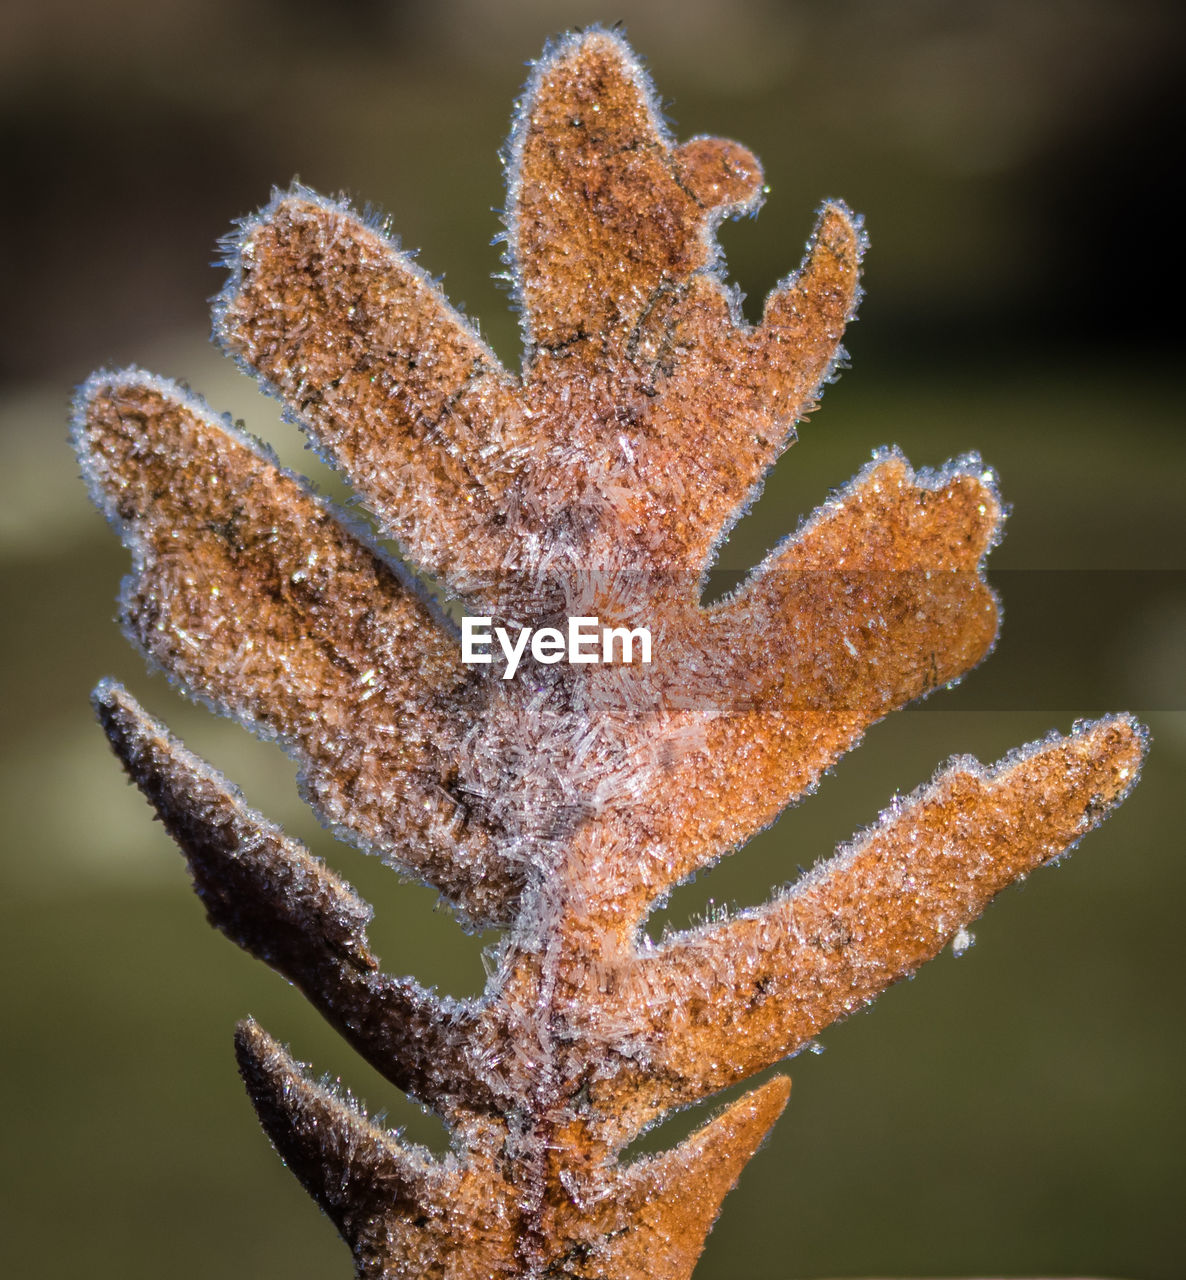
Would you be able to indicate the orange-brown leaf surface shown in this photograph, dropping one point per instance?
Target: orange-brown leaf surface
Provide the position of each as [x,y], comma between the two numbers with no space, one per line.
[558,800]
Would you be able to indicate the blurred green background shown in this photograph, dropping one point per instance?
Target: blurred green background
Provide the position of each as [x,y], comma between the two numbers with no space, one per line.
[1017,1111]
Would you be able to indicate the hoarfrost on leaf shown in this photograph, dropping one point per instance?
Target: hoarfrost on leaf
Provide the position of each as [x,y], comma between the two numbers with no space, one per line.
[561,804]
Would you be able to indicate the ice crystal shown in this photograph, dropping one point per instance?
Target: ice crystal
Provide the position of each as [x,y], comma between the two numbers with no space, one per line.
[563,803]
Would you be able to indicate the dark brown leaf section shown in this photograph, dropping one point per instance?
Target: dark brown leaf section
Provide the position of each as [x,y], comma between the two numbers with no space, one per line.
[354,1170]
[266,892]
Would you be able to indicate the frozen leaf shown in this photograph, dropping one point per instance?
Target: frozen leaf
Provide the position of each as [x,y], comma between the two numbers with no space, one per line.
[562,801]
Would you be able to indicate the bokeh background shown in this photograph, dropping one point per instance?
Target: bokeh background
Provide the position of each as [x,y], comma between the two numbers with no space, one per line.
[1016,1111]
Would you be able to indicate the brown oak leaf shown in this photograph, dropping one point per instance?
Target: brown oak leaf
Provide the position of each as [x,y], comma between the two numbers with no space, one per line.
[563,801]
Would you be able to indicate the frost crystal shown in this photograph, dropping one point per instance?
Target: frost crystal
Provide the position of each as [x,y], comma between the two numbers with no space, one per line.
[563,802]
[963,940]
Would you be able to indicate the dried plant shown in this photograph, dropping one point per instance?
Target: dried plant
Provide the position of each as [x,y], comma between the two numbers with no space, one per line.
[561,804]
